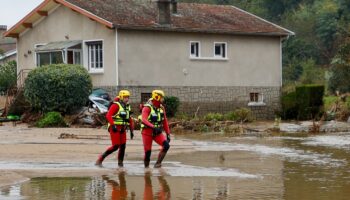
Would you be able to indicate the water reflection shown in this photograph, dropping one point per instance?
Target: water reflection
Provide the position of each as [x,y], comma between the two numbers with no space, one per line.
[121,187]
[119,190]
[283,168]
[164,190]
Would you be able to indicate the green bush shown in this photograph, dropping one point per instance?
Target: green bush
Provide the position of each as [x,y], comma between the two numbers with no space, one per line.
[58,87]
[243,115]
[51,119]
[347,103]
[171,104]
[213,117]
[230,116]
[8,76]
[289,106]
[329,101]
[309,100]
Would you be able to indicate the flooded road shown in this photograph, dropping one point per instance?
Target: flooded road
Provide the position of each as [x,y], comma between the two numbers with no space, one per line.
[316,167]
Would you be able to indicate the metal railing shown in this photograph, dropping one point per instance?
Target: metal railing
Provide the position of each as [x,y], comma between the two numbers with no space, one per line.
[11,94]
[21,76]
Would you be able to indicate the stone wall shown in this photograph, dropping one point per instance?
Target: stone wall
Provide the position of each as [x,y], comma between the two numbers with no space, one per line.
[202,100]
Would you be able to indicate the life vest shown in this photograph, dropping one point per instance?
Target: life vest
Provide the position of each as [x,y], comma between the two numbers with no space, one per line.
[123,115]
[156,116]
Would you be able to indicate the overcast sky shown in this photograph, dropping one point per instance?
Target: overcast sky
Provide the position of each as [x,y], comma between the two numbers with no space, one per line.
[11,11]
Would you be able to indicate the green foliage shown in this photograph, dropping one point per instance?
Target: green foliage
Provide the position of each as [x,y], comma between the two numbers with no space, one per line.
[58,87]
[311,74]
[214,117]
[230,116]
[51,119]
[309,100]
[239,115]
[347,103]
[204,128]
[8,76]
[183,116]
[329,101]
[340,71]
[289,106]
[171,104]
[243,115]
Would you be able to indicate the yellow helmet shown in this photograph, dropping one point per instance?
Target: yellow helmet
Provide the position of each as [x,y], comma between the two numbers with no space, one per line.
[157,95]
[123,93]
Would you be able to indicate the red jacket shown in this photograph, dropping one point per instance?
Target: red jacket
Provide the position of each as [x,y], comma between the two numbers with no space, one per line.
[145,113]
[114,110]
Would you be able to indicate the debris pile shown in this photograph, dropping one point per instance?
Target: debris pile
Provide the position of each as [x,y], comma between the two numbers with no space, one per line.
[87,117]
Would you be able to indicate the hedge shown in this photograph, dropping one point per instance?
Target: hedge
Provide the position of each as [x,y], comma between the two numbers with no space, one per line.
[289,106]
[309,100]
[58,87]
[171,104]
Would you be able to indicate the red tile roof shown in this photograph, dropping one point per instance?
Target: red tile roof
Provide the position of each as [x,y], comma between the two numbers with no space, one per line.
[191,17]
[143,15]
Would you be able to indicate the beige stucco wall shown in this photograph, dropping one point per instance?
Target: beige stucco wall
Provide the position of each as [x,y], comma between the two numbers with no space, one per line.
[162,59]
[64,22]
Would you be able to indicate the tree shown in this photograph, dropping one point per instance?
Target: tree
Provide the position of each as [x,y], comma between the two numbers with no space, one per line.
[8,76]
[340,70]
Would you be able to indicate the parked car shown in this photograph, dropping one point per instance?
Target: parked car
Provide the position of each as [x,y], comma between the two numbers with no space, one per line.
[99,104]
[99,100]
[101,93]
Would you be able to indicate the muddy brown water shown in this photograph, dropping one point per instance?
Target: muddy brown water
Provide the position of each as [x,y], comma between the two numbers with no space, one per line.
[316,167]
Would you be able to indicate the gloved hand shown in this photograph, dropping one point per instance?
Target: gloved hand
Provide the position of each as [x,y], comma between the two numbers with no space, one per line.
[131,134]
[168,138]
[114,128]
[157,131]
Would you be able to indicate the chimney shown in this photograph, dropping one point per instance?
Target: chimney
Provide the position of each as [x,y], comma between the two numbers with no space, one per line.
[164,15]
[174,6]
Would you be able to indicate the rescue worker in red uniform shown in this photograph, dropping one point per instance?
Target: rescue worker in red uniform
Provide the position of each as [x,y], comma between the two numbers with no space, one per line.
[154,122]
[119,119]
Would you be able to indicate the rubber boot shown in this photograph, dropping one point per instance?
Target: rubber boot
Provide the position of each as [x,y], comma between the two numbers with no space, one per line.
[146,162]
[99,161]
[160,159]
[147,158]
[120,163]
[121,154]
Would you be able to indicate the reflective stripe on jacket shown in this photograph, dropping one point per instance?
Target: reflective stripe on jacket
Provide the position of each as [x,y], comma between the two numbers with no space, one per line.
[123,115]
[155,117]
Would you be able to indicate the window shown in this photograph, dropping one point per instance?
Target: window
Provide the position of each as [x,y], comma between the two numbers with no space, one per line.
[220,50]
[194,49]
[256,99]
[95,55]
[47,58]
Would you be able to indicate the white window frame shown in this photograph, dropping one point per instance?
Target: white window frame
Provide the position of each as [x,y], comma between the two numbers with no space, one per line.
[74,51]
[199,49]
[220,56]
[86,57]
[260,101]
[35,54]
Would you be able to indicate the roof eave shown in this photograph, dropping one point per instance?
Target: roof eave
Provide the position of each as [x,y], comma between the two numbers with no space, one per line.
[11,32]
[212,31]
